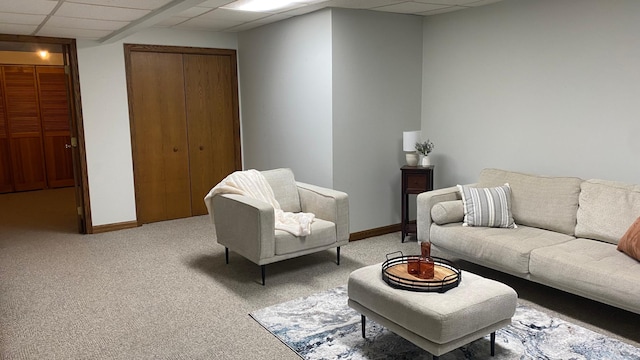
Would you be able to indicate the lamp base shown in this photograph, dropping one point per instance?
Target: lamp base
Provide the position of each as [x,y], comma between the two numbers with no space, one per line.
[412,159]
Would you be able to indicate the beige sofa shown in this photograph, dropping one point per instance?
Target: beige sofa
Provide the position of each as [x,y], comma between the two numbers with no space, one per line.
[566,235]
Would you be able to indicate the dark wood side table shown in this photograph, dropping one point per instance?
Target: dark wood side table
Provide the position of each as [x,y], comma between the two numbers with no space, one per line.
[415,180]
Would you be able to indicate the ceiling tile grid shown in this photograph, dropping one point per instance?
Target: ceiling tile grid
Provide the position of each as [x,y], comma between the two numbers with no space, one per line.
[109,20]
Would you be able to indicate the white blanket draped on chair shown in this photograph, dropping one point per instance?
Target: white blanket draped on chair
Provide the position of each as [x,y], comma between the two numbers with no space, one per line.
[253,184]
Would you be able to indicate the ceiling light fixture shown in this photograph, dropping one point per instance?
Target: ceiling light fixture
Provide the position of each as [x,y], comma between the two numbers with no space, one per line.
[266,5]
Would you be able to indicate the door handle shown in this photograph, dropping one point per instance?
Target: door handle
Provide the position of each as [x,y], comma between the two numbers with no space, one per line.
[67,146]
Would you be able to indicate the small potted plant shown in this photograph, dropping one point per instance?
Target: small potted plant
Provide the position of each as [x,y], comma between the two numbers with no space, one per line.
[424,148]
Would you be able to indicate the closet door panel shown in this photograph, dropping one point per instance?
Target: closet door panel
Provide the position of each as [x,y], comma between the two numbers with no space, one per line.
[57,150]
[26,157]
[210,120]
[24,127]
[161,163]
[6,184]
[55,115]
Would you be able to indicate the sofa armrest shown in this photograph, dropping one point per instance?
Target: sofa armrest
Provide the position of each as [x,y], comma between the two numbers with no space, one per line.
[326,204]
[245,225]
[425,201]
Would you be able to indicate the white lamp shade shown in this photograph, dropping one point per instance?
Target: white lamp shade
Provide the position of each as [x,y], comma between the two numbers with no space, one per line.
[409,140]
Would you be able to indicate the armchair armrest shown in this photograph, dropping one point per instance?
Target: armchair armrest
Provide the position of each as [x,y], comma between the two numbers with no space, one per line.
[245,225]
[326,204]
[425,201]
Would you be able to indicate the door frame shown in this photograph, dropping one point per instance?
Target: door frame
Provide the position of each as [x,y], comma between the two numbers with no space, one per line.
[129,48]
[76,124]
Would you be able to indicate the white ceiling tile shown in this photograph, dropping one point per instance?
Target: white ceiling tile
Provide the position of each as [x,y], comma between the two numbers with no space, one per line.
[242,27]
[215,3]
[174,20]
[72,33]
[24,19]
[207,27]
[446,2]
[234,15]
[205,23]
[193,12]
[39,7]
[483,2]
[363,4]
[409,7]
[130,4]
[303,10]
[99,12]
[443,10]
[76,23]
[17,29]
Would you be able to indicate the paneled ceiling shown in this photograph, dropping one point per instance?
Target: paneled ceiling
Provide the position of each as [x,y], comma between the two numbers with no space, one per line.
[110,20]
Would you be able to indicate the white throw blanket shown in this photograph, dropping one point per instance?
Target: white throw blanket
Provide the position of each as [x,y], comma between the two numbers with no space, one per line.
[253,184]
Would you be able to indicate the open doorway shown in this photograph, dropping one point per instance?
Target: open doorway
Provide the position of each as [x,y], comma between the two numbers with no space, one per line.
[42,155]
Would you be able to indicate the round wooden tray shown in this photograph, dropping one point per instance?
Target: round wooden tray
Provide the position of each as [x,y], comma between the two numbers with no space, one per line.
[446,275]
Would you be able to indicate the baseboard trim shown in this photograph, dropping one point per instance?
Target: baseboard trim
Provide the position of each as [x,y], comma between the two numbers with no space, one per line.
[113,227]
[374,232]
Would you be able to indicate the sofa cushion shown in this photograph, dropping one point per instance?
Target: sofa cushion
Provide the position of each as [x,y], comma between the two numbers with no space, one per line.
[490,207]
[322,233]
[540,201]
[503,249]
[589,268]
[446,212]
[630,241]
[284,188]
[607,209]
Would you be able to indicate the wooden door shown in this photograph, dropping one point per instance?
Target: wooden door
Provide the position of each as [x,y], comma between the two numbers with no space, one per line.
[6,184]
[25,133]
[55,115]
[161,162]
[210,120]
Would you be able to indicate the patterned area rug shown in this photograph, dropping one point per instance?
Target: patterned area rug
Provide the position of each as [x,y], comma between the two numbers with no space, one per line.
[322,326]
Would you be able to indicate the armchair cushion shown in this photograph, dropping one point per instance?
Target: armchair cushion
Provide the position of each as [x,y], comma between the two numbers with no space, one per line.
[284,188]
[322,233]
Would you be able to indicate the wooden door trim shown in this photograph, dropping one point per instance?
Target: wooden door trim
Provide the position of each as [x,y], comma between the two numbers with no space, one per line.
[77,123]
[129,48]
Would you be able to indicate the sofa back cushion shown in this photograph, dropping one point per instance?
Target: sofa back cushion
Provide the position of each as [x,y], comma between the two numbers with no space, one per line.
[544,202]
[607,209]
[284,188]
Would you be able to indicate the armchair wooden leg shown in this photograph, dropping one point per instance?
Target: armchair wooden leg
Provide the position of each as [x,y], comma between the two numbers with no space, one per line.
[262,267]
[226,255]
[363,322]
[338,251]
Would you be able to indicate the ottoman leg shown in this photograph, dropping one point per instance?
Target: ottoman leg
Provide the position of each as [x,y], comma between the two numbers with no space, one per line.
[493,343]
[363,321]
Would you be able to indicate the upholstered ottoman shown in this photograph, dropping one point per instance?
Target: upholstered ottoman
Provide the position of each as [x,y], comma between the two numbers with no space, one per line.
[436,322]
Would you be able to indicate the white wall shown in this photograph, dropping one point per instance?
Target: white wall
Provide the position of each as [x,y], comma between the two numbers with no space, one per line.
[286,97]
[546,87]
[106,117]
[377,66]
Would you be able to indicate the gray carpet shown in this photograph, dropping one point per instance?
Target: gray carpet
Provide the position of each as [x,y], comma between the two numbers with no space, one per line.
[163,290]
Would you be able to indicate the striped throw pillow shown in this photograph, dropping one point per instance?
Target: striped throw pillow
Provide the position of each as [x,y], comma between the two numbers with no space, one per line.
[489,207]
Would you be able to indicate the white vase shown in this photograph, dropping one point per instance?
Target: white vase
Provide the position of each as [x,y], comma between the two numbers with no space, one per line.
[425,161]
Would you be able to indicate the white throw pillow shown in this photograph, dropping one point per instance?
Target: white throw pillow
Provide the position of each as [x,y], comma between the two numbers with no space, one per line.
[488,207]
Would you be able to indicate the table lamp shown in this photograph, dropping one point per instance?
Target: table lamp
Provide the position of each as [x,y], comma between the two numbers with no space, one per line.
[409,140]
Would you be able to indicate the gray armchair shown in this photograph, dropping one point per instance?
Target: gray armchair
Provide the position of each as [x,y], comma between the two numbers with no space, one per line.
[246,226]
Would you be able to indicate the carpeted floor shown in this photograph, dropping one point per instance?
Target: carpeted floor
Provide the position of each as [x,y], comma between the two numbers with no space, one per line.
[163,290]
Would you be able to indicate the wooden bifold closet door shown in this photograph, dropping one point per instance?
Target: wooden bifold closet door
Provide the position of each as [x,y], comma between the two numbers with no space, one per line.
[185,130]
[35,141]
